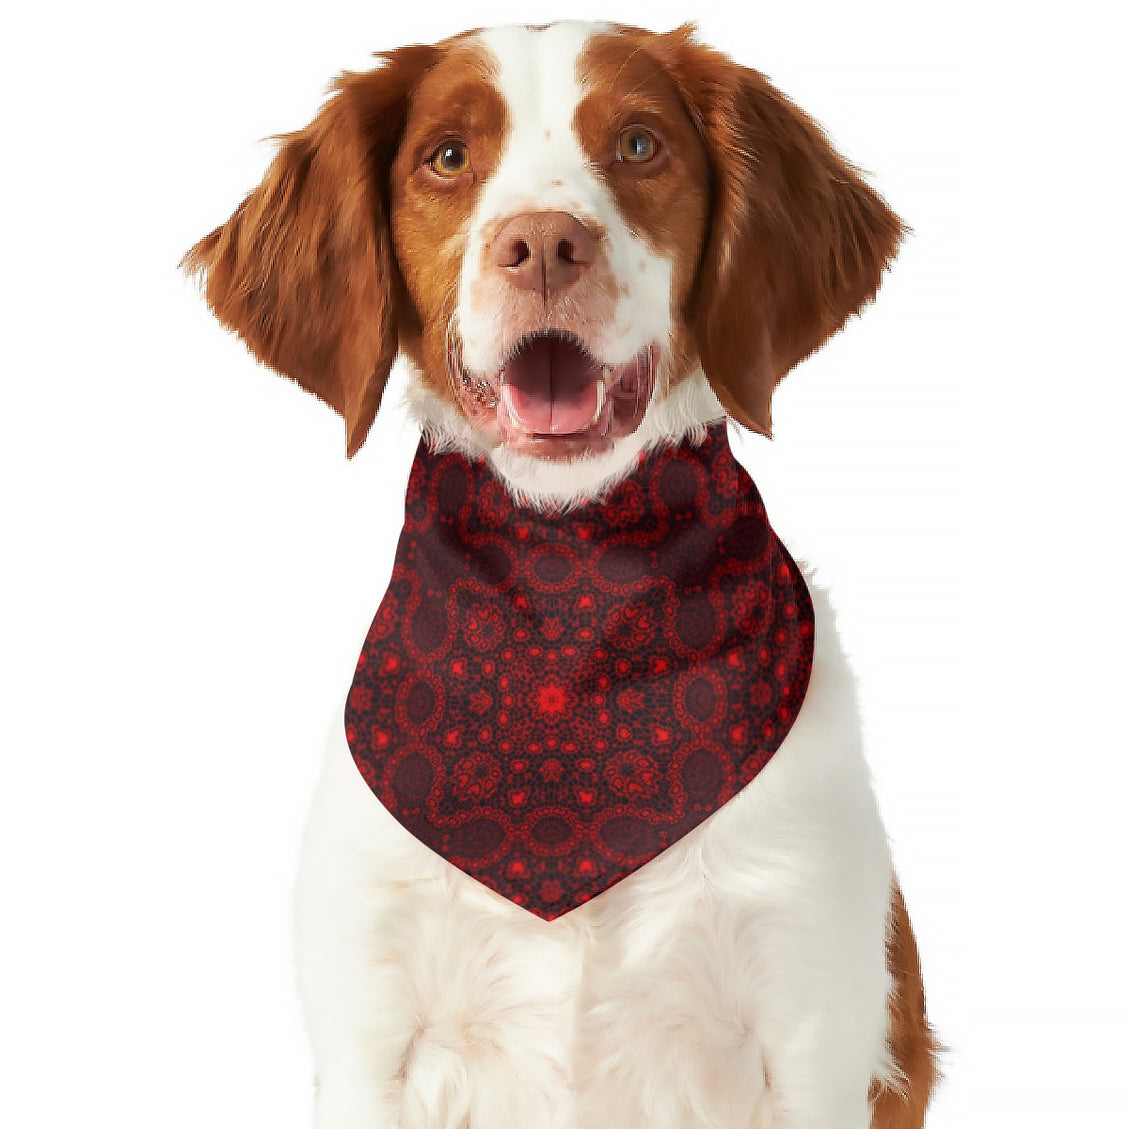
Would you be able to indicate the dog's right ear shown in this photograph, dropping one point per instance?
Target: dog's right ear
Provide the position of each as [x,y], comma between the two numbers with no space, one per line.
[304,270]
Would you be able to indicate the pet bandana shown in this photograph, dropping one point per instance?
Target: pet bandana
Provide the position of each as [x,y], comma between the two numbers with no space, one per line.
[548,700]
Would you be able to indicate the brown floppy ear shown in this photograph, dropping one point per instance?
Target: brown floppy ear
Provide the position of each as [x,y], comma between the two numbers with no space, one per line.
[304,271]
[797,242]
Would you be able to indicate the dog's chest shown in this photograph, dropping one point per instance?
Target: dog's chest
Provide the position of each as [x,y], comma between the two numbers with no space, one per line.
[550,700]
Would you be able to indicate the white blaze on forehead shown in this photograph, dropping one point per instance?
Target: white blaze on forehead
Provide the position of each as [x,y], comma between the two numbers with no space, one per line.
[542,163]
[544,168]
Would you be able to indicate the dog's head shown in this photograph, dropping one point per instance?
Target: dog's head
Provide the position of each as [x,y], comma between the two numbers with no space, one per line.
[558,227]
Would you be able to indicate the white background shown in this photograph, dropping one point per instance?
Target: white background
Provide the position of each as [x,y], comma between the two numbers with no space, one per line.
[190,563]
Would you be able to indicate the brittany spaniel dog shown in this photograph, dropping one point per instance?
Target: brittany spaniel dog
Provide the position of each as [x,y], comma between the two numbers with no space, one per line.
[591,244]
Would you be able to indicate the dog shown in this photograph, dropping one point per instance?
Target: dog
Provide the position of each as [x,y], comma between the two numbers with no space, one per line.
[593,245]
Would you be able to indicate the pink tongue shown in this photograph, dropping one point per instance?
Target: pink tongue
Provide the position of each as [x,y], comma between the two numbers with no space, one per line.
[550,387]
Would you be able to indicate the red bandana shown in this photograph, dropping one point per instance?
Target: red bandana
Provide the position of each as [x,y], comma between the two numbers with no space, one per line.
[550,700]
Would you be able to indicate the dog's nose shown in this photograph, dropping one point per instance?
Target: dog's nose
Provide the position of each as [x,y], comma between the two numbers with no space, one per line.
[545,251]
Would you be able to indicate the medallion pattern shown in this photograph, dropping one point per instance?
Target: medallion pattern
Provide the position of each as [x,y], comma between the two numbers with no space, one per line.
[549,700]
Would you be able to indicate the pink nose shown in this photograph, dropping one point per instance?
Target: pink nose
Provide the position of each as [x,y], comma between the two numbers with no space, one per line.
[545,251]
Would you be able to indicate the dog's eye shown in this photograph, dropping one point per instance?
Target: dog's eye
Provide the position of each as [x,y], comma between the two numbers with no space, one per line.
[451,159]
[636,145]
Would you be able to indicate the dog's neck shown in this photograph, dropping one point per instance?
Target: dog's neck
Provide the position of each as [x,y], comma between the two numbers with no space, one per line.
[683,411]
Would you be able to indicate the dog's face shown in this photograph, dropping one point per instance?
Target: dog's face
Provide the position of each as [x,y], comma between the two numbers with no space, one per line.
[549,203]
[557,226]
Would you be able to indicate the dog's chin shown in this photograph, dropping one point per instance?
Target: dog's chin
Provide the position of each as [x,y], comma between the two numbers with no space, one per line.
[552,399]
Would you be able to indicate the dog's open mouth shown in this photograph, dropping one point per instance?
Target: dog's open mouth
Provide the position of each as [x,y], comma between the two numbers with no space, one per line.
[553,398]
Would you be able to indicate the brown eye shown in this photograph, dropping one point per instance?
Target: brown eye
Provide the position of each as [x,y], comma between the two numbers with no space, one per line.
[451,159]
[636,145]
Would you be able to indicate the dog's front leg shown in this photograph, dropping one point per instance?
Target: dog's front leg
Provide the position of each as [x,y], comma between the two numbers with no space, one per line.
[347,883]
[431,1002]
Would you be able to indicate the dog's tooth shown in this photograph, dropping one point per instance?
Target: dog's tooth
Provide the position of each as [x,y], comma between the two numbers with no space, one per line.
[508,405]
[601,398]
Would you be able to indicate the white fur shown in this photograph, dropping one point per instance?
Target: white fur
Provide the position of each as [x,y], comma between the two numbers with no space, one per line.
[737,981]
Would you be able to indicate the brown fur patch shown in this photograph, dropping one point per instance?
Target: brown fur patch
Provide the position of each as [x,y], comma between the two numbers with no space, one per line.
[666,200]
[797,241]
[303,271]
[457,98]
[913,1045]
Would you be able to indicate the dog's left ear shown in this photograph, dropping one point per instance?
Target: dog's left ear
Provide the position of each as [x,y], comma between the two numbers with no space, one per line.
[304,271]
[797,241]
